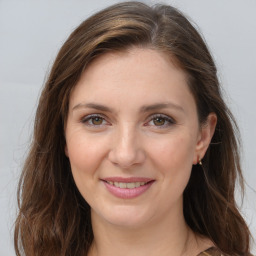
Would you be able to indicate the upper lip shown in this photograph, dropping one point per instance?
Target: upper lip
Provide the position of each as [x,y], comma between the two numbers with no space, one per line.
[127,180]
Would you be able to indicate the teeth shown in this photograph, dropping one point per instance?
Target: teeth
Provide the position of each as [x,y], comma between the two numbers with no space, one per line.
[131,185]
[137,184]
[122,185]
[126,185]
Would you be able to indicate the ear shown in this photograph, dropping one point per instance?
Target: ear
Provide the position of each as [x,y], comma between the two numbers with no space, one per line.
[204,138]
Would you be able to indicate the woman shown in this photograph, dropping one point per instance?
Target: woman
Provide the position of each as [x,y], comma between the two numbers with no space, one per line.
[134,150]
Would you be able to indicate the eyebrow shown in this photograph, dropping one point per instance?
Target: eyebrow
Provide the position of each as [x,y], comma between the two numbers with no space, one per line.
[93,106]
[145,108]
[159,106]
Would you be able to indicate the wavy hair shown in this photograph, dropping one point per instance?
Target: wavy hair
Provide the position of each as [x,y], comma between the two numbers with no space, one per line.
[53,217]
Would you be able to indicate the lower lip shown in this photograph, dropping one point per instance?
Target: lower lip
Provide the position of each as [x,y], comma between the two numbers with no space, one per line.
[127,193]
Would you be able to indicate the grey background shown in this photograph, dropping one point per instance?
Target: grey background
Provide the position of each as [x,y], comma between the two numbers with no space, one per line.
[31,32]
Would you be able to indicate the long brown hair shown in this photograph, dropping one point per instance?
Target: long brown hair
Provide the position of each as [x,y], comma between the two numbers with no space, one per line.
[53,217]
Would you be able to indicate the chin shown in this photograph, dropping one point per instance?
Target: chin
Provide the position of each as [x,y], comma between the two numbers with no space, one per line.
[125,216]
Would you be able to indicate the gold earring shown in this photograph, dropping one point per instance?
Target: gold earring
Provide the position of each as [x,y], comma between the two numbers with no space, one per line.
[199,161]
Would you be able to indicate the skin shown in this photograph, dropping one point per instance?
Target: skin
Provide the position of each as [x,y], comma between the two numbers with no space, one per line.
[134,137]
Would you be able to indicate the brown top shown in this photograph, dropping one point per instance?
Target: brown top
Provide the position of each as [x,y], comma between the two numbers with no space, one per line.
[213,251]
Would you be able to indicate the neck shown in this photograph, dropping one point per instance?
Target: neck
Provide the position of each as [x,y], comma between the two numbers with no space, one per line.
[170,236]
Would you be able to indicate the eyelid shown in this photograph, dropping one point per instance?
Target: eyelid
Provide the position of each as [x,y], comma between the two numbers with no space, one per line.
[86,118]
[170,120]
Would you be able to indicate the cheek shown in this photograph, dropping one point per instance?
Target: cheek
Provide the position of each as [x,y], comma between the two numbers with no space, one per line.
[84,153]
[176,159]
[174,156]
[177,150]
[85,156]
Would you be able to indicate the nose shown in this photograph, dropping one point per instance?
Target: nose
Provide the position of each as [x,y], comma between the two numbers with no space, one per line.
[127,148]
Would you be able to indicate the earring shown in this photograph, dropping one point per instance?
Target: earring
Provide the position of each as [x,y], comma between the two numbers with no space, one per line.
[199,161]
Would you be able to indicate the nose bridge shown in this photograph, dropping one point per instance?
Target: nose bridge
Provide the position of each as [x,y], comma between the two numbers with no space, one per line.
[127,149]
[127,139]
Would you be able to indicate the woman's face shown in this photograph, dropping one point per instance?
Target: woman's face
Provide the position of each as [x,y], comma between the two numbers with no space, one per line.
[132,137]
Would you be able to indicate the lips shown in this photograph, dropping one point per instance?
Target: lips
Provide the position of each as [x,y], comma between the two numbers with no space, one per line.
[127,187]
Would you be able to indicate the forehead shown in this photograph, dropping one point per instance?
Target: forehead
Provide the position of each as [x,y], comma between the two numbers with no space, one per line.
[134,75]
[134,56]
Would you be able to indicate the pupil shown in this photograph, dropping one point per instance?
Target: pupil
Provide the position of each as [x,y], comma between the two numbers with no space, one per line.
[97,120]
[159,121]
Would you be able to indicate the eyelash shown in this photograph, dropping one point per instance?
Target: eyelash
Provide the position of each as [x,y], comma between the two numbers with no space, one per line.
[168,121]
[88,119]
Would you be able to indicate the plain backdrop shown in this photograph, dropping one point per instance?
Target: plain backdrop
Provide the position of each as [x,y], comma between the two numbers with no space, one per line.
[31,32]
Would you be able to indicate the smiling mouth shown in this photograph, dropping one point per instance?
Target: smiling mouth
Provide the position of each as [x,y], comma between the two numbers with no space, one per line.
[127,188]
[129,185]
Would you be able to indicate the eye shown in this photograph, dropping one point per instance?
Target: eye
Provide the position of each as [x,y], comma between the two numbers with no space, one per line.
[94,120]
[97,120]
[160,120]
